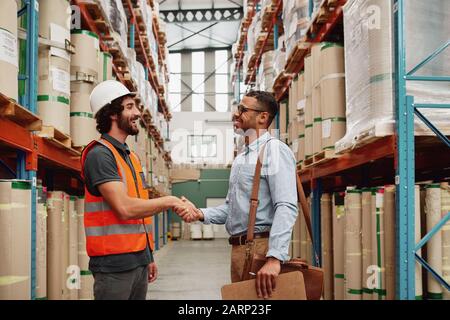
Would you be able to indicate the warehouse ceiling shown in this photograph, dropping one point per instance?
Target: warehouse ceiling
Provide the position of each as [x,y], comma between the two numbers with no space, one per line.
[201,24]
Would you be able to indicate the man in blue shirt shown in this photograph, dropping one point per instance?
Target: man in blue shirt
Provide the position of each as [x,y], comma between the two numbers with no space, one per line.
[277,208]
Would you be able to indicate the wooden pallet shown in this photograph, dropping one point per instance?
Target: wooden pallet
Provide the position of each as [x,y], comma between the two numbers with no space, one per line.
[318,158]
[78,149]
[297,55]
[281,81]
[119,57]
[322,16]
[56,137]
[308,162]
[300,166]
[260,41]
[18,114]
[324,156]
[332,3]
[147,118]
[139,16]
[267,17]
[98,15]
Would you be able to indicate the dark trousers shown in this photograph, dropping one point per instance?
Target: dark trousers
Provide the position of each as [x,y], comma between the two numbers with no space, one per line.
[127,285]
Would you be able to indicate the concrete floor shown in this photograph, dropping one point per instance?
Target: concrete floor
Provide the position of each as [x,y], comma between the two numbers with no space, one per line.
[191,270]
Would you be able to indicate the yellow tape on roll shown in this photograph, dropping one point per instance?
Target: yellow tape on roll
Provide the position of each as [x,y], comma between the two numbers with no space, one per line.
[9,280]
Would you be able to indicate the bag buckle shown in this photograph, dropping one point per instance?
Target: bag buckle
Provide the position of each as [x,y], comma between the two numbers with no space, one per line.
[248,248]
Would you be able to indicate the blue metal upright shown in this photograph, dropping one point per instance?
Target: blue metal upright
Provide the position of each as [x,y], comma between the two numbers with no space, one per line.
[132,32]
[156,235]
[29,100]
[164,227]
[311,7]
[316,221]
[405,171]
[275,46]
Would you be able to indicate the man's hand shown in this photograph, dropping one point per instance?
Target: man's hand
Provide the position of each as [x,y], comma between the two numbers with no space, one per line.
[152,272]
[266,278]
[180,207]
[195,214]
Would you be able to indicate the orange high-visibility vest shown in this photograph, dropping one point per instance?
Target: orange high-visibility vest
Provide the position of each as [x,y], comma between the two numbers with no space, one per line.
[105,233]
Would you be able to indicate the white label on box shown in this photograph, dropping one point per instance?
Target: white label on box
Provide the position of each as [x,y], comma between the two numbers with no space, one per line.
[57,52]
[379,200]
[59,34]
[295,146]
[8,48]
[326,128]
[61,80]
[301,104]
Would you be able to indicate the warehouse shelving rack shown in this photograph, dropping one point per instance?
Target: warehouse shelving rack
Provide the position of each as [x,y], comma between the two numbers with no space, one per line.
[398,159]
[29,154]
[18,124]
[405,178]
[268,24]
[239,56]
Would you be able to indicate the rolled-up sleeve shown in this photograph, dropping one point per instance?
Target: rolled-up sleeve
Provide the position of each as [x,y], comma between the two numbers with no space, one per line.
[282,182]
[216,215]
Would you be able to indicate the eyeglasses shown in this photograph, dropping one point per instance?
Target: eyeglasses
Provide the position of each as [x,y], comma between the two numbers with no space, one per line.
[241,109]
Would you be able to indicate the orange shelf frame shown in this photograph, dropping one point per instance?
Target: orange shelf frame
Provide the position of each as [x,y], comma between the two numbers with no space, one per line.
[381,148]
[16,136]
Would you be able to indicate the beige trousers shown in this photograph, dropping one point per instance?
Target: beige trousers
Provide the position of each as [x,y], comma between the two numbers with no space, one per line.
[238,257]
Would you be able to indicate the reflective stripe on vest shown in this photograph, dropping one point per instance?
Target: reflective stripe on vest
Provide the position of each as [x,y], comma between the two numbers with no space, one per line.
[114,229]
[96,206]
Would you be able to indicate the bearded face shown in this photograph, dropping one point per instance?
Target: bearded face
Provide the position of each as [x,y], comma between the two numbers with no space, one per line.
[128,123]
[128,119]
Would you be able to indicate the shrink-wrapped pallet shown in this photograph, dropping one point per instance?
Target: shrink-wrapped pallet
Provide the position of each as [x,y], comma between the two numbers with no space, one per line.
[369,60]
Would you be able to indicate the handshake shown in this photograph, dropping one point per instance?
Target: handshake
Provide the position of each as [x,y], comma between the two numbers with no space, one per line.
[187,210]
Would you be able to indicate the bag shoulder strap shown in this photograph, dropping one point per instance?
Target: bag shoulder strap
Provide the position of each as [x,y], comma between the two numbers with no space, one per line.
[254,201]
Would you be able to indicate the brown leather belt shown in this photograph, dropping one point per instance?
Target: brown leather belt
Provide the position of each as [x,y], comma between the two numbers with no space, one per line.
[240,240]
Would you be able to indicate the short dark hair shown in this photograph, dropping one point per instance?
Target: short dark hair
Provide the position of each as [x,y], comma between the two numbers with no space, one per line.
[267,101]
[103,116]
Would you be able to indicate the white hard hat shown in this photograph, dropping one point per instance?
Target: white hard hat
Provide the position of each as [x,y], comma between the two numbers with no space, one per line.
[107,91]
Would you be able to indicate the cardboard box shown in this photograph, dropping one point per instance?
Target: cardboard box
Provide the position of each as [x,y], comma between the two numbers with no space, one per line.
[15,240]
[178,175]
[290,286]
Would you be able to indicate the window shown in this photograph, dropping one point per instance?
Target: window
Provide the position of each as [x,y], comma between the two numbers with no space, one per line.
[222,103]
[175,81]
[198,78]
[222,61]
[242,89]
[202,146]
[221,66]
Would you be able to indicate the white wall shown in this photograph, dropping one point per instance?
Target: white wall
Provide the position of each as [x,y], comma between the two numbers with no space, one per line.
[184,124]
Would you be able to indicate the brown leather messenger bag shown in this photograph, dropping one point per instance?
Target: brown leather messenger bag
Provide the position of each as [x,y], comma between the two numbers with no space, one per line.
[313,276]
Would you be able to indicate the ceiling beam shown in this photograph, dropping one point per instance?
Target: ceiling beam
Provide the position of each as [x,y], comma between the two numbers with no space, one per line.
[234,2]
[202,35]
[201,30]
[209,48]
[202,15]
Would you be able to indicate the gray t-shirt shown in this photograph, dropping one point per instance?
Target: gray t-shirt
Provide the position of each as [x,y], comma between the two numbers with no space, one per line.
[101,167]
